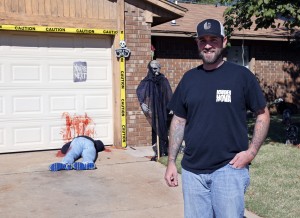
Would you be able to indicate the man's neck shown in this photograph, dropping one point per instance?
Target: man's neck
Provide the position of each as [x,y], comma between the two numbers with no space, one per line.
[214,65]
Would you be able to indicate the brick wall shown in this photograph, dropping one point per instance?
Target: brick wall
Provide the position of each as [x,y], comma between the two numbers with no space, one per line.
[177,55]
[138,40]
[270,61]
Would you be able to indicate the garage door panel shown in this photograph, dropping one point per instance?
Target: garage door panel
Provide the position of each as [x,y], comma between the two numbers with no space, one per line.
[37,87]
[27,72]
[53,44]
[102,127]
[1,106]
[55,70]
[16,103]
[20,136]
[54,103]
[101,103]
[22,73]
[2,136]
[26,135]
[60,104]
[61,73]
[55,132]
[27,104]
[94,75]
[1,73]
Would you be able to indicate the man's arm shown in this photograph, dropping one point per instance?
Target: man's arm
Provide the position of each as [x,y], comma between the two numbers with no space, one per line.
[261,128]
[175,140]
[260,131]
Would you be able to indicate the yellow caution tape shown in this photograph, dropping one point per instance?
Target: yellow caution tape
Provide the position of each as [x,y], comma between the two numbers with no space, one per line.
[58,29]
[123,96]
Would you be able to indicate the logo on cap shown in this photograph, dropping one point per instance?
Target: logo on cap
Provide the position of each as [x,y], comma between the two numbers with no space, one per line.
[207,26]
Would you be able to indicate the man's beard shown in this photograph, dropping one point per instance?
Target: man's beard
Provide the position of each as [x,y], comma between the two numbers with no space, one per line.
[218,53]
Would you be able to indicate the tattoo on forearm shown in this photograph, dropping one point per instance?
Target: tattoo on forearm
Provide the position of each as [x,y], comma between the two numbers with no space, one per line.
[260,132]
[176,137]
[253,153]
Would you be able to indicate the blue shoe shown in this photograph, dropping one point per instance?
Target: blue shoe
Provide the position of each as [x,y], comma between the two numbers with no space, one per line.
[60,166]
[84,166]
[68,167]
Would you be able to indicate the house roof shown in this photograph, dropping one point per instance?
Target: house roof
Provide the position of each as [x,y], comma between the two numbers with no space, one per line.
[176,8]
[186,26]
[165,11]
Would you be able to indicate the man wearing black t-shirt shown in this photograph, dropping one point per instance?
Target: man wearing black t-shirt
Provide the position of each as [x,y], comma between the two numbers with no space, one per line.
[209,106]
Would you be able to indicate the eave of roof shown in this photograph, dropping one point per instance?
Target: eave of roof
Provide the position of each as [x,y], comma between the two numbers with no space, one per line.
[186,26]
[166,11]
[175,8]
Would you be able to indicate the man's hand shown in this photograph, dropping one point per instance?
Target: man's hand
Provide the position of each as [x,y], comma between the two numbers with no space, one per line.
[242,159]
[171,175]
[175,140]
[261,128]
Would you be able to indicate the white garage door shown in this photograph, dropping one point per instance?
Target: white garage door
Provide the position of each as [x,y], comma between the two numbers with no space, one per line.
[37,88]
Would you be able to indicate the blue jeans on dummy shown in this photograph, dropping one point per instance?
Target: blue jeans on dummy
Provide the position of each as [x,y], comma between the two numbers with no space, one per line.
[219,194]
[80,147]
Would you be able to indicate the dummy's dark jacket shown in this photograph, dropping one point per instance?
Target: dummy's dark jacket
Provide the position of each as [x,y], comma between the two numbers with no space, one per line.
[156,92]
[98,145]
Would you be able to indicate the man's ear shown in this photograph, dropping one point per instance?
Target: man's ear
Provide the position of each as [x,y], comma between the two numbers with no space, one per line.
[224,42]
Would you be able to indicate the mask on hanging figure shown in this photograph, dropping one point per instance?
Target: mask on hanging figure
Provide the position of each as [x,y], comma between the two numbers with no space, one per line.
[155,67]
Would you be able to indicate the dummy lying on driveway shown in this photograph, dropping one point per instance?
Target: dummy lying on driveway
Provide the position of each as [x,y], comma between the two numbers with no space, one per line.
[81,146]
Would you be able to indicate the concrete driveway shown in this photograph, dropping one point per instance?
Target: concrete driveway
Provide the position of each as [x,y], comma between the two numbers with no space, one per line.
[125,184]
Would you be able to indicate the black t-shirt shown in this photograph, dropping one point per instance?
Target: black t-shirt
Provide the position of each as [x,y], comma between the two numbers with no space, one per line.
[214,104]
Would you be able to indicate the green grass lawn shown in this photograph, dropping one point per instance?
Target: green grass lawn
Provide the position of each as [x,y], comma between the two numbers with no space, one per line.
[274,191]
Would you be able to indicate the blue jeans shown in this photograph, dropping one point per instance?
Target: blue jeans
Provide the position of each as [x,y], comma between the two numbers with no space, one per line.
[216,195]
[80,147]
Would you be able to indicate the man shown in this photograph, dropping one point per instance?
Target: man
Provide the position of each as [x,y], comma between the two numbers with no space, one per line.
[210,105]
[154,93]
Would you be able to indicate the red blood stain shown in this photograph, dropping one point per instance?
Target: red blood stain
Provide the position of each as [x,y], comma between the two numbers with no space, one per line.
[77,125]
[107,150]
[60,154]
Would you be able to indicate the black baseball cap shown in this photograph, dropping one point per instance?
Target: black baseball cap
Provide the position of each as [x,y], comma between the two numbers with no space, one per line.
[210,27]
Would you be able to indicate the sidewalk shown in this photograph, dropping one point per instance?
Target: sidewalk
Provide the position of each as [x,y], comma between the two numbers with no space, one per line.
[126,184]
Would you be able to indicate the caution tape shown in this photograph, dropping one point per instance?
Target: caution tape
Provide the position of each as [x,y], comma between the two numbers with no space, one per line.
[123,97]
[58,29]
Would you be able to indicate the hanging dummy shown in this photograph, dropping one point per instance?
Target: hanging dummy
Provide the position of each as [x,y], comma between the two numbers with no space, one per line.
[154,93]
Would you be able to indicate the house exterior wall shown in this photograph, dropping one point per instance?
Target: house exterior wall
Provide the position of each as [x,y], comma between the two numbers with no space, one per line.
[83,13]
[275,63]
[138,40]
[277,66]
[176,56]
